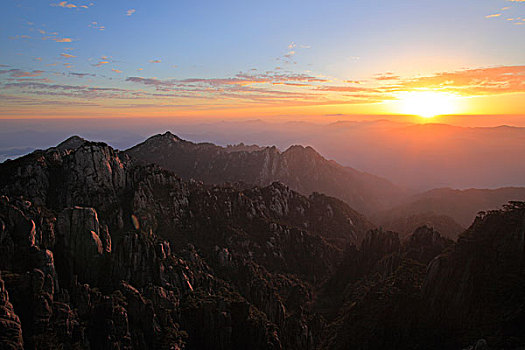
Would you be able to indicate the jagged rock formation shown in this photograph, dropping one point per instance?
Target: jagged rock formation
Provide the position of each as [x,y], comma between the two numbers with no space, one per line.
[301,168]
[470,293]
[405,225]
[10,327]
[479,286]
[100,253]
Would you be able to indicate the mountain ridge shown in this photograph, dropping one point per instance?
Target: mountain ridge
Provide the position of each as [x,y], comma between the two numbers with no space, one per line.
[100,252]
[267,165]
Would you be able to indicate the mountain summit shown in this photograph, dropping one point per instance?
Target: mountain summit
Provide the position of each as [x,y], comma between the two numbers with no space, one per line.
[301,168]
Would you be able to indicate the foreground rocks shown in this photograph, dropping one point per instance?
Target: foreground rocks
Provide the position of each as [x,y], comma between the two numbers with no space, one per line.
[100,253]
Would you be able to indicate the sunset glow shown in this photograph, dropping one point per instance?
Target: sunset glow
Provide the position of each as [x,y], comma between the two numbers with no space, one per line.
[427,104]
[170,59]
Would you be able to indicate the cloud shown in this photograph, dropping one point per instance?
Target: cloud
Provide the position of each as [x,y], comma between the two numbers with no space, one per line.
[150,81]
[494,15]
[81,75]
[16,37]
[101,62]
[64,4]
[62,40]
[155,61]
[18,73]
[347,89]
[130,12]
[97,26]
[67,55]
[239,85]
[387,76]
[29,101]
[116,70]
[473,82]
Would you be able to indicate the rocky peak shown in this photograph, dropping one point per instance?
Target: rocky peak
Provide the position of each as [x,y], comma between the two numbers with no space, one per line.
[71,143]
[166,137]
[378,243]
[302,151]
[425,244]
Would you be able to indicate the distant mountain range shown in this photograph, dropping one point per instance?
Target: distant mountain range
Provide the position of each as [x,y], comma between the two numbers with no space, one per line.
[300,168]
[460,205]
[417,156]
[306,171]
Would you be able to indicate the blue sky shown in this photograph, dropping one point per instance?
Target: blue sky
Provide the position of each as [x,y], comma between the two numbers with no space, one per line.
[55,43]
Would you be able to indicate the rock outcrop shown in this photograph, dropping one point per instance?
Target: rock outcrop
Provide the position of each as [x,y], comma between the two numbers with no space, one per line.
[478,287]
[10,326]
[301,168]
[103,253]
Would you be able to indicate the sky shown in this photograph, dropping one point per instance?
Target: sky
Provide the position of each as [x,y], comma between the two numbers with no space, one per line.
[264,59]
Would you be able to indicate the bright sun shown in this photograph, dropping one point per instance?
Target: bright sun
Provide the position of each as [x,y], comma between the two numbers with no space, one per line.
[427,104]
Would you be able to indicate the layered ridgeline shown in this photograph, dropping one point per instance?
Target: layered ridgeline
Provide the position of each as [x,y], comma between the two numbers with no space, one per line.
[306,171]
[460,205]
[396,296]
[99,253]
[301,168]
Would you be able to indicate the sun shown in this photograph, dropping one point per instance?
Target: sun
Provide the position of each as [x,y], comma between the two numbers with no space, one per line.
[427,104]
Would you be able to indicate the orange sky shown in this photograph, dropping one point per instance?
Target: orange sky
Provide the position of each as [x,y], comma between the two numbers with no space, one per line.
[345,59]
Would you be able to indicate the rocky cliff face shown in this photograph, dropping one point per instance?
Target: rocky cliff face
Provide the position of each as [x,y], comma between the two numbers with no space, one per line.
[100,253]
[10,327]
[478,286]
[301,168]
[432,293]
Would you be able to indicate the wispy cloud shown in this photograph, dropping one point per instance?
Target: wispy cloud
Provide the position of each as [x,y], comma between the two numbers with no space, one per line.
[103,60]
[18,73]
[387,76]
[155,61]
[151,81]
[63,40]
[97,26]
[23,36]
[473,82]
[67,55]
[81,75]
[100,63]
[64,4]
[130,12]
[494,15]
[116,70]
